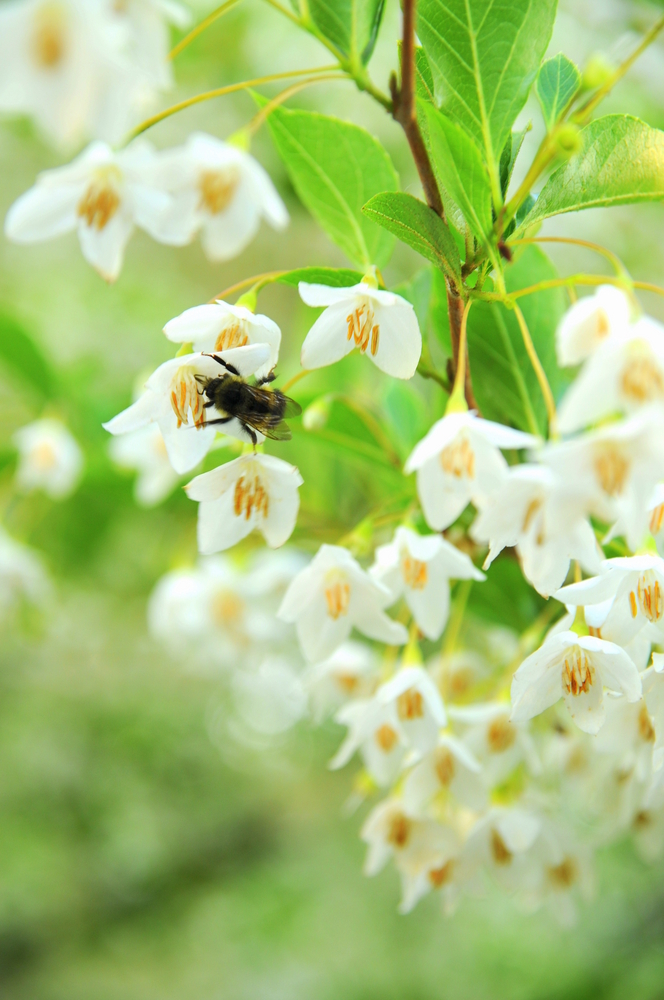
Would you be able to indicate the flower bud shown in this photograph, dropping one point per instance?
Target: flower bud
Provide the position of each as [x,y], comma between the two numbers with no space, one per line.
[317,414]
[597,71]
[568,140]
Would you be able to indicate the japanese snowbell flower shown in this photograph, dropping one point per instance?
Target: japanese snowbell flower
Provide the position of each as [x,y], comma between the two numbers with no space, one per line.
[220,190]
[628,734]
[419,568]
[450,766]
[458,462]
[219,326]
[418,704]
[350,673]
[375,731]
[145,451]
[624,374]
[102,195]
[147,27]
[173,400]
[653,693]
[501,842]
[494,740]
[270,699]
[22,574]
[577,669]
[589,322]
[330,596]
[254,491]
[381,324]
[49,459]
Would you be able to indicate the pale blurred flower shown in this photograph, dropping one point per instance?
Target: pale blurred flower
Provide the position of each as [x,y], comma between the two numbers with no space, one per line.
[501,843]
[381,324]
[350,673]
[653,693]
[173,399]
[449,767]
[458,462]
[148,38]
[656,517]
[418,705]
[589,322]
[49,459]
[270,699]
[145,451]
[375,730]
[22,574]
[499,744]
[252,492]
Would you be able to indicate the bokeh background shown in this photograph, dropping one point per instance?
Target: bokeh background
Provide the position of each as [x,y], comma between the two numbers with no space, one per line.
[149,850]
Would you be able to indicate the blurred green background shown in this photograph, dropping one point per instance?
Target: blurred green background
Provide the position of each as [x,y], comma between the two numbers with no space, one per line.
[145,854]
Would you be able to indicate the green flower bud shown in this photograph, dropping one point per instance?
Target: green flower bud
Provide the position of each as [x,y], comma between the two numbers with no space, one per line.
[317,414]
[596,72]
[568,140]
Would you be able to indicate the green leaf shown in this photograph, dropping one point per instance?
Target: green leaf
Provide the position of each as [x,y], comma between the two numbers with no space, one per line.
[508,157]
[20,353]
[458,162]
[557,82]
[336,277]
[423,77]
[505,597]
[351,25]
[416,224]
[336,167]
[622,161]
[504,380]
[484,56]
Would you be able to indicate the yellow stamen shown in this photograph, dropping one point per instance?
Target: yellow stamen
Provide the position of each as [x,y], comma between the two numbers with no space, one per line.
[186,399]
[410,705]
[612,469]
[578,672]
[386,738]
[48,42]
[500,735]
[458,458]
[414,572]
[501,854]
[362,329]
[216,189]
[250,496]
[399,831]
[233,335]
[102,198]
[445,766]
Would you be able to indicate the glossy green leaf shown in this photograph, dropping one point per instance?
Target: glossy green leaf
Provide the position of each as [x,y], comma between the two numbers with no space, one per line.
[351,25]
[416,224]
[509,155]
[504,381]
[622,161]
[557,82]
[19,352]
[505,597]
[484,56]
[336,167]
[337,277]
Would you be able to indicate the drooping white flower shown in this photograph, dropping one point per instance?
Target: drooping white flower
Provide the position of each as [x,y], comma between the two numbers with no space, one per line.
[458,462]
[501,843]
[145,451]
[146,24]
[564,871]
[614,469]
[624,374]
[219,326]
[330,596]
[381,324]
[102,195]
[533,510]
[174,401]
[22,574]
[49,459]
[415,844]
[270,699]
[254,491]
[419,568]
[494,740]
[350,673]
[653,693]
[375,731]
[628,734]
[220,190]
[589,322]
[418,704]
[450,767]
[577,669]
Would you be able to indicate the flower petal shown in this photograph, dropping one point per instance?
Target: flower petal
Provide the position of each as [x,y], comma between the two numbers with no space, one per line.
[327,340]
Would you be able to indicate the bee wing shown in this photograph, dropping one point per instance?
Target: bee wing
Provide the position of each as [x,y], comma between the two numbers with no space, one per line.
[281,432]
[293,408]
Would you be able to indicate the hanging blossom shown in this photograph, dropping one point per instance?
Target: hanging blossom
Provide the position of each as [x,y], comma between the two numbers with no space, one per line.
[495,740]
[591,321]
[22,575]
[146,25]
[330,596]
[144,450]
[173,400]
[459,461]
[419,568]
[350,673]
[252,492]
[49,459]
[381,324]
[220,191]
[448,768]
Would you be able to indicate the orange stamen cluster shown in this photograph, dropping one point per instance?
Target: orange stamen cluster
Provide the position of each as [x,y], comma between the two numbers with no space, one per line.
[185,398]
[362,329]
[578,672]
[250,497]
[458,459]
[410,705]
[234,335]
[216,189]
[414,572]
[337,595]
[648,598]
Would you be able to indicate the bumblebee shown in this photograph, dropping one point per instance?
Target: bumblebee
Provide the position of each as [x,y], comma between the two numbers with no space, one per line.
[257,408]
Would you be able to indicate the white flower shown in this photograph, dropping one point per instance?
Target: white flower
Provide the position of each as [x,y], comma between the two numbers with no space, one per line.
[501,842]
[415,844]
[174,401]
[420,568]
[147,26]
[271,699]
[373,729]
[615,469]
[628,734]
[459,461]
[534,511]
[49,459]
[381,324]
[252,492]
[145,451]
[656,517]
[624,374]
[589,322]
[627,595]
[350,673]
[653,693]
[418,705]
[498,743]
[450,767]
[102,195]
[576,668]
[219,326]
[22,574]
[330,596]
[221,190]
[565,869]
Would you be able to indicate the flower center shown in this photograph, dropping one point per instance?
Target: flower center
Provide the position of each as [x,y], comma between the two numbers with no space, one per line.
[656,519]
[347,682]
[102,199]
[603,326]
[642,820]
[216,189]
[399,831]
[531,510]
[48,41]
[414,572]
[564,875]
[611,468]
[337,595]
[410,705]
[445,766]
[648,597]
[226,607]
[642,379]
[185,397]
[458,458]
[578,672]
[250,496]
[362,329]
[385,738]
[439,876]
[646,730]
[499,850]
[500,735]
[233,335]
[43,456]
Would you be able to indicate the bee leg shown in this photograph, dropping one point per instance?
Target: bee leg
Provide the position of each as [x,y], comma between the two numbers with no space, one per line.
[270,377]
[220,361]
[251,432]
[219,420]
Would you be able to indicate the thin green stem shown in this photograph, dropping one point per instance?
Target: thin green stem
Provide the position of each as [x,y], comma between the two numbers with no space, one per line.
[613,259]
[256,280]
[296,378]
[549,401]
[434,376]
[456,618]
[373,426]
[200,28]
[253,126]
[572,279]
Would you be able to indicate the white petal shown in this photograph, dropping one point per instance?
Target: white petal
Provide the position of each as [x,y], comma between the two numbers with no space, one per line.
[43,213]
[140,413]
[399,340]
[218,526]
[327,340]
[104,248]
[227,234]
